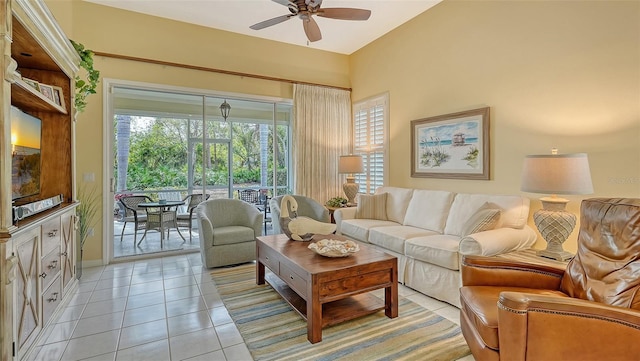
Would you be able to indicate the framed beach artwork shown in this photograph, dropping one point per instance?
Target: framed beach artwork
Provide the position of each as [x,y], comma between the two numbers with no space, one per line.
[451,146]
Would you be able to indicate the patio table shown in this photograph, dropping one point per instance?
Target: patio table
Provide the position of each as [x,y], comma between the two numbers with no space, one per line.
[161,216]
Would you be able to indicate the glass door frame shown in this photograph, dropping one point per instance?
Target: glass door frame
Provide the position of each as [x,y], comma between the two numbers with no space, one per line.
[205,143]
[108,178]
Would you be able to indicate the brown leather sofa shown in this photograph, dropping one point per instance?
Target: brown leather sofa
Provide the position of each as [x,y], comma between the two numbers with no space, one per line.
[591,311]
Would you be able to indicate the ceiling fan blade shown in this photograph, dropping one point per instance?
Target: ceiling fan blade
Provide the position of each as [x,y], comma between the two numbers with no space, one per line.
[270,22]
[344,13]
[311,28]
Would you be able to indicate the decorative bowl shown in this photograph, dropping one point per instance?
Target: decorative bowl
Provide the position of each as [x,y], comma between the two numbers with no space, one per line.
[334,247]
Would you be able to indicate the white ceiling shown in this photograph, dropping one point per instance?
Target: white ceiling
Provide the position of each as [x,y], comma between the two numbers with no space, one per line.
[338,36]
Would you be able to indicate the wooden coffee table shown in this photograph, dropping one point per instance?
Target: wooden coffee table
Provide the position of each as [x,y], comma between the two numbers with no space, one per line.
[326,291]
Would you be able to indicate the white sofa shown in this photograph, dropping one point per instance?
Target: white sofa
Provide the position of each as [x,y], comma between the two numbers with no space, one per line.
[424,229]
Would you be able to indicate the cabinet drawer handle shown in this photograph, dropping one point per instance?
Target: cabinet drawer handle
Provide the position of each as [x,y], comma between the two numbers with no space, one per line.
[53,264]
[43,275]
[53,233]
[54,298]
[291,276]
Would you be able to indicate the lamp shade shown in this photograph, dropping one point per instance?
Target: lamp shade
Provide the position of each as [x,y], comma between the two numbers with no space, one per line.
[350,164]
[557,174]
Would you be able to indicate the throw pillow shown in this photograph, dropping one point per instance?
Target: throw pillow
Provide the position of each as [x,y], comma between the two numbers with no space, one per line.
[372,206]
[485,219]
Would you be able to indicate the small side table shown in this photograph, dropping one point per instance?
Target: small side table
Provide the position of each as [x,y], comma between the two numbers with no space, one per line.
[529,256]
[331,210]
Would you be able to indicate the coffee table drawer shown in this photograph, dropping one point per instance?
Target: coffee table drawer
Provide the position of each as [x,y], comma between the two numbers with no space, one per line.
[269,258]
[294,281]
[347,285]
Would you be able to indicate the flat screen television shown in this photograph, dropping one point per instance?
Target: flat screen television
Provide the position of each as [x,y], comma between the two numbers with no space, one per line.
[26,132]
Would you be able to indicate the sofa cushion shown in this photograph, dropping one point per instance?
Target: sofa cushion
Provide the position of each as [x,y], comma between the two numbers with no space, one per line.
[397,202]
[441,250]
[372,206]
[515,211]
[232,234]
[429,209]
[485,219]
[359,228]
[393,237]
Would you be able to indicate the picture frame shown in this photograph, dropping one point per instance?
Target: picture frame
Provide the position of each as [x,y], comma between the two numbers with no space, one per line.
[58,97]
[454,146]
[47,91]
[32,83]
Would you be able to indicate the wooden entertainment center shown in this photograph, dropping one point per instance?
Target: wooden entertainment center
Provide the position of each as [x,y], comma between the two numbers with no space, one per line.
[37,253]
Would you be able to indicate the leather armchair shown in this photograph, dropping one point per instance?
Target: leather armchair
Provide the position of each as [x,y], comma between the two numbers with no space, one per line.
[590,311]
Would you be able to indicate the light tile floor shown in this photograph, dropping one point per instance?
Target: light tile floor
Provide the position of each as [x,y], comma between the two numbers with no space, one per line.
[157,309]
[125,246]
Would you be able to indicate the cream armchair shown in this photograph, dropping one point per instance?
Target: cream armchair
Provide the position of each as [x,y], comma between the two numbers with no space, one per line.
[228,231]
[307,207]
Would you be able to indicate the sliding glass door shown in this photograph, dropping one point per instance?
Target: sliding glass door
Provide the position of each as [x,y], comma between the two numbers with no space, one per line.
[169,144]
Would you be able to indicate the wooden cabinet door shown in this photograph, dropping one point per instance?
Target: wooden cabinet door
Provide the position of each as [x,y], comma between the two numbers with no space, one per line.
[67,256]
[7,280]
[27,315]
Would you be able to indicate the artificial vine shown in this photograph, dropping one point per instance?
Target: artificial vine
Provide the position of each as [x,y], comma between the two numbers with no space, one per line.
[84,88]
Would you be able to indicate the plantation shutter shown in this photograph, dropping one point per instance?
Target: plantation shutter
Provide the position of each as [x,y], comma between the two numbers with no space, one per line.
[370,140]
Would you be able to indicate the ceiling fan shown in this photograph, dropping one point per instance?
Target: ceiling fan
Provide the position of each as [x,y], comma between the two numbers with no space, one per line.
[304,9]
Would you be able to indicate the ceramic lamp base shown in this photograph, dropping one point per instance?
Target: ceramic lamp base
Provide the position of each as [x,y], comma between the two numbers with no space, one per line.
[351,190]
[555,225]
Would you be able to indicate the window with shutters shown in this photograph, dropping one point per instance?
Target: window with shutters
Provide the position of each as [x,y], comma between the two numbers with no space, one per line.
[371,124]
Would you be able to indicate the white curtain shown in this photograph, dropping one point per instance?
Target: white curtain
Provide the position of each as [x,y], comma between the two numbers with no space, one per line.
[321,134]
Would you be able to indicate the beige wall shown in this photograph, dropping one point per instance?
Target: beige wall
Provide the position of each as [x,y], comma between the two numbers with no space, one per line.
[109,30]
[562,74]
[555,74]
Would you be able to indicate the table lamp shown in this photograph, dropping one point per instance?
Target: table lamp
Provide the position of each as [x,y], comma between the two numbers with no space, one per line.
[556,174]
[350,164]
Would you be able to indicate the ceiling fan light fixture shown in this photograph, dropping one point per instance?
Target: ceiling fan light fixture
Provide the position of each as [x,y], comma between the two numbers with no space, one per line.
[313,3]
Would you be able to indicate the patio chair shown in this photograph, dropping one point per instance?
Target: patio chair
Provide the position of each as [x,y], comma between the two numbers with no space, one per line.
[250,196]
[186,219]
[133,213]
[265,208]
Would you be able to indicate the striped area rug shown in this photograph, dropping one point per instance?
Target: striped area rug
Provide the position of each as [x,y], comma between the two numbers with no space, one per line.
[273,331]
